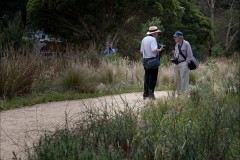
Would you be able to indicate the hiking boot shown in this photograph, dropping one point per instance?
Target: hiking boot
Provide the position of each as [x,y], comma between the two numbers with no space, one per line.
[145,96]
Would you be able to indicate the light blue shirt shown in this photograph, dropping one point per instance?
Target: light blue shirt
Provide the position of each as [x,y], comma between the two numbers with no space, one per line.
[109,51]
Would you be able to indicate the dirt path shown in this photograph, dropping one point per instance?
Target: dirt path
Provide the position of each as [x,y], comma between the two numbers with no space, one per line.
[25,125]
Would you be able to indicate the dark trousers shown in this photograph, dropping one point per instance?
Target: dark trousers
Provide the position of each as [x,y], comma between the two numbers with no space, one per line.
[150,81]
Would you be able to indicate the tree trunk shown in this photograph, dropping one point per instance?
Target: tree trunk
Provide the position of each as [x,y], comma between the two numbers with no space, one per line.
[211,6]
[229,35]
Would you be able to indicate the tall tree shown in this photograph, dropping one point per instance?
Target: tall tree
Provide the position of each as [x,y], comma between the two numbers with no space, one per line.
[232,28]
[224,16]
[98,21]
[194,21]
[93,20]
[9,8]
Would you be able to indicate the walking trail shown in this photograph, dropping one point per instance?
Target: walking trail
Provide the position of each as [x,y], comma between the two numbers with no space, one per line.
[25,125]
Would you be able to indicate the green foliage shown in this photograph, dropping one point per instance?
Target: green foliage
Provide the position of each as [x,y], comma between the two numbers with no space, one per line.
[113,58]
[193,128]
[37,98]
[217,50]
[131,43]
[226,29]
[170,20]
[214,113]
[11,35]
[117,21]
[165,60]
[225,18]
[103,137]
[195,26]
[93,21]
[9,9]
[183,16]
[67,146]
[155,21]
[192,78]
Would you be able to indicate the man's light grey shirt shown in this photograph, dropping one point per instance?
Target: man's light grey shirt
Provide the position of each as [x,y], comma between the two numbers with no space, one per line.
[186,50]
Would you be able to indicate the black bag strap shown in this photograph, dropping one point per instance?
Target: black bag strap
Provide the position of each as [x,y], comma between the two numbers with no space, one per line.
[180,51]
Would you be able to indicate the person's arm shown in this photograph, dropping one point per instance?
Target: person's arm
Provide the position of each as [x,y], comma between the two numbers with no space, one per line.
[141,49]
[189,53]
[154,47]
[157,50]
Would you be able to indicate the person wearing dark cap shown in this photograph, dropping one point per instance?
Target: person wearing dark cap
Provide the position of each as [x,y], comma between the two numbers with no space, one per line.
[149,49]
[182,55]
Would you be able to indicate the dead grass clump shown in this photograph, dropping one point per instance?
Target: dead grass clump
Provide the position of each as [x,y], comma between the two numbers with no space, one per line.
[17,75]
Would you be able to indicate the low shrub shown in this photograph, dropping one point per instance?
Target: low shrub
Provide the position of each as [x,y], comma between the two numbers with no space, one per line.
[107,72]
[80,78]
[98,135]
[17,75]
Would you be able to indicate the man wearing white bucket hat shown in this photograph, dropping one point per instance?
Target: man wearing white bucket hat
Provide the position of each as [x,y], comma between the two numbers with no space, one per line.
[149,49]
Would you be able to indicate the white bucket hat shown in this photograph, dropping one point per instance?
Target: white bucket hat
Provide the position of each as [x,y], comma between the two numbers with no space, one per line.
[153,29]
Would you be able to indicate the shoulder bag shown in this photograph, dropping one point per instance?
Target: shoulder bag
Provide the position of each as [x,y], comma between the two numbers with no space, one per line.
[192,65]
[152,63]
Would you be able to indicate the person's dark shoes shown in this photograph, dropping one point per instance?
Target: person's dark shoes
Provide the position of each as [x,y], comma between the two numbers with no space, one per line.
[151,96]
[145,96]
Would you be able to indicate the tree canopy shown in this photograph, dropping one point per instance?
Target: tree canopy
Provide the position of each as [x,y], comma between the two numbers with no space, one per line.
[9,8]
[96,20]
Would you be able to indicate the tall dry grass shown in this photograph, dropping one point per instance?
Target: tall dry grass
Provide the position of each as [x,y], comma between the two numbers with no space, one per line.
[17,75]
[80,78]
[171,129]
[202,126]
[77,70]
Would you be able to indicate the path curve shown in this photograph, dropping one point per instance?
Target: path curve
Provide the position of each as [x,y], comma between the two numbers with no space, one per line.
[25,125]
